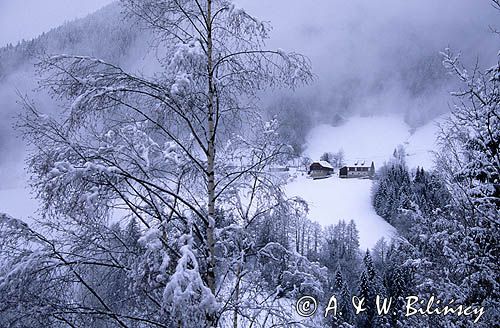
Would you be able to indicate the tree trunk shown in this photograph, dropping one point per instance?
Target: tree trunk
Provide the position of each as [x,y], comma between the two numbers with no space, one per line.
[210,155]
[302,238]
[210,161]
[236,296]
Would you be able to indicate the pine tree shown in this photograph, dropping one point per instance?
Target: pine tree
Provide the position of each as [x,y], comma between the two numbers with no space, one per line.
[365,292]
[352,240]
[370,269]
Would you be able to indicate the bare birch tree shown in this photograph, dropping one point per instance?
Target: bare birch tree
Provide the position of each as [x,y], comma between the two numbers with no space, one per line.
[182,153]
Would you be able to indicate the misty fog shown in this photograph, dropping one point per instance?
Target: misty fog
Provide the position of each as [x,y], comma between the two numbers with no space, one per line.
[381,56]
[368,57]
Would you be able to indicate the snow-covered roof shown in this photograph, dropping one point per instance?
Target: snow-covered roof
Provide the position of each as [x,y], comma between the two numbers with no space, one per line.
[361,163]
[324,164]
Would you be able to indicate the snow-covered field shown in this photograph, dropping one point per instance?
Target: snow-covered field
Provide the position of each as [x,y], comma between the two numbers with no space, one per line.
[334,199]
[361,138]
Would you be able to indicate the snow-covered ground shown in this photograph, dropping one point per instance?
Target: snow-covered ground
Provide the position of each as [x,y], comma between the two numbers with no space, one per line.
[374,138]
[333,199]
[361,138]
[420,145]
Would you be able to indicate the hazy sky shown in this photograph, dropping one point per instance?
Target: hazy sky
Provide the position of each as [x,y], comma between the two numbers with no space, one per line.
[375,51]
[25,19]
[365,32]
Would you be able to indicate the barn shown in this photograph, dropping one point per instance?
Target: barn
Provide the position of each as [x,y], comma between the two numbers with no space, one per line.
[359,169]
[320,169]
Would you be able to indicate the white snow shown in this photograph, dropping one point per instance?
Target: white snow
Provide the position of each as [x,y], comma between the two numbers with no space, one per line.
[422,143]
[366,139]
[334,199]
[151,239]
[374,138]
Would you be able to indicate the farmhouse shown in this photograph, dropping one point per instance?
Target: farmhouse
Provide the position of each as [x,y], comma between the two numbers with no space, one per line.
[320,169]
[359,169]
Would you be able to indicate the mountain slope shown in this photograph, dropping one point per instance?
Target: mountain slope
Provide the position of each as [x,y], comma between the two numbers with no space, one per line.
[105,34]
[374,138]
[361,138]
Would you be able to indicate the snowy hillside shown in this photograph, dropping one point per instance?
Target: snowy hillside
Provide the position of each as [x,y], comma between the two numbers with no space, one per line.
[374,139]
[361,138]
[370,138]
[334,199]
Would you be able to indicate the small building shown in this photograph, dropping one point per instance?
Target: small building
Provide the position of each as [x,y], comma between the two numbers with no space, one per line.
[320,169]
[359,169]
